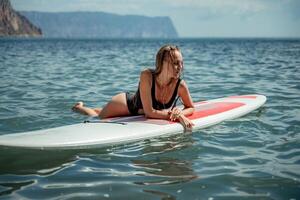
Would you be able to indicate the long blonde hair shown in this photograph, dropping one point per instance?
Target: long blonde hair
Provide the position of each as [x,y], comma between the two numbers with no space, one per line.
[166,51]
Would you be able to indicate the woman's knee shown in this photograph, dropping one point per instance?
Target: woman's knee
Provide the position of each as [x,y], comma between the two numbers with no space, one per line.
[98,110]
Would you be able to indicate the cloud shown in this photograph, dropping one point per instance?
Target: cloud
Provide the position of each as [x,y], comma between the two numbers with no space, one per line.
[116,6]
[137,6]
[237,6]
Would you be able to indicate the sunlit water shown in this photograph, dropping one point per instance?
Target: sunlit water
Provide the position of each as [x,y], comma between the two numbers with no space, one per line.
[253,157]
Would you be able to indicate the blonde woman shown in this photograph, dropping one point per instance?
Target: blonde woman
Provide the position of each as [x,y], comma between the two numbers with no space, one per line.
[156,95]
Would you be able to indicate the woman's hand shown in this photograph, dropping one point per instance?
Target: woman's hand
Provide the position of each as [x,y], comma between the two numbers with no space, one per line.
[186,122]
[176,114]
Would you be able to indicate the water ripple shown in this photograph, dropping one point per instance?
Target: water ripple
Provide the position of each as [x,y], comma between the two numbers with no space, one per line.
[253,157]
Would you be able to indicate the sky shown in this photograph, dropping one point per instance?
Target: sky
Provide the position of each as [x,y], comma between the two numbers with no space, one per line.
[195,18]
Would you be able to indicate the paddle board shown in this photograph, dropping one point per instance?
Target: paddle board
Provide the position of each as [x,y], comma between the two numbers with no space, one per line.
[99,133]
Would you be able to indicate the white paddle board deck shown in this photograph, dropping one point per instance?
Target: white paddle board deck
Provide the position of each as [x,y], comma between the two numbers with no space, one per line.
[99,133]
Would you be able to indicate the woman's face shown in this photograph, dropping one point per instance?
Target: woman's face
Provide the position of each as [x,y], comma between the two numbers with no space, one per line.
[175,65]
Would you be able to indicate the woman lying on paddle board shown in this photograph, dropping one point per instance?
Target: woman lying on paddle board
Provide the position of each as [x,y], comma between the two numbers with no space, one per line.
[156,95]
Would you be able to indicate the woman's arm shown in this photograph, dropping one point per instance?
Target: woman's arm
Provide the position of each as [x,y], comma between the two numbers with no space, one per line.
[178,114]
[184,93]
[145,92]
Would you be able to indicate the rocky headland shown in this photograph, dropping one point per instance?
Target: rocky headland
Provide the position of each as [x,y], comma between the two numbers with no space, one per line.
[12,23]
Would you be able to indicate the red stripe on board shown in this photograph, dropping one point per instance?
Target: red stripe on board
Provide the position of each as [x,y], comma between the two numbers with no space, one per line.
[244,96]
[201,111]
[199,103]
[214,109]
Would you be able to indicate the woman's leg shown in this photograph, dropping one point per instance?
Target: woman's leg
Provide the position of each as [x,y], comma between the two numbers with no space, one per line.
[116,107]
[79,107]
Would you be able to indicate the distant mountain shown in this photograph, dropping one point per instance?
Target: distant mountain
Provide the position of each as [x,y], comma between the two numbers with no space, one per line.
[101,25]
[14,24]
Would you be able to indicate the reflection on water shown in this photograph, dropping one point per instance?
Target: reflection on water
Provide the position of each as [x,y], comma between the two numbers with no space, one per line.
[20,161]
[168,171]
[9,188]
[162,195]
[165,170]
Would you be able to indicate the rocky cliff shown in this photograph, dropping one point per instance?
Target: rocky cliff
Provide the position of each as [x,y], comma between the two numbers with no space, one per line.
[14,24]
[101,25]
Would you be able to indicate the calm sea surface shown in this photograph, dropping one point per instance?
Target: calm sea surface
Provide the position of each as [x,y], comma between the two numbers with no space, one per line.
[253,157]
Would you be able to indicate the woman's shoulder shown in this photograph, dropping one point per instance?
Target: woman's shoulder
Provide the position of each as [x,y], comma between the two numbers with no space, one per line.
[183,88]
[147,72]
[182,84]
[146,75]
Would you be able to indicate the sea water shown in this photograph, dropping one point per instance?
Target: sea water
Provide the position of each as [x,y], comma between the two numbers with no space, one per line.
[253,157]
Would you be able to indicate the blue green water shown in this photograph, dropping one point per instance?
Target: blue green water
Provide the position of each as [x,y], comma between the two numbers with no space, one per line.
[253,157]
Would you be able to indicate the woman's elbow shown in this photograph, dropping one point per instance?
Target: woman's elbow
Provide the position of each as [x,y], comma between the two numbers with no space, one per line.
[149,114]
[191,110]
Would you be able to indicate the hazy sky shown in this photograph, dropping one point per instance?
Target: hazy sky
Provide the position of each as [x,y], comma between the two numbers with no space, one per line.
[195,18]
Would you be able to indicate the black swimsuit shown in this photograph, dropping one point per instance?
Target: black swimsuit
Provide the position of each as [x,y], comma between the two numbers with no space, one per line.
[134,102]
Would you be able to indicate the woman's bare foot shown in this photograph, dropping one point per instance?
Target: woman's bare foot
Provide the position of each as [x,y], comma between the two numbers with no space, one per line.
[79,107]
